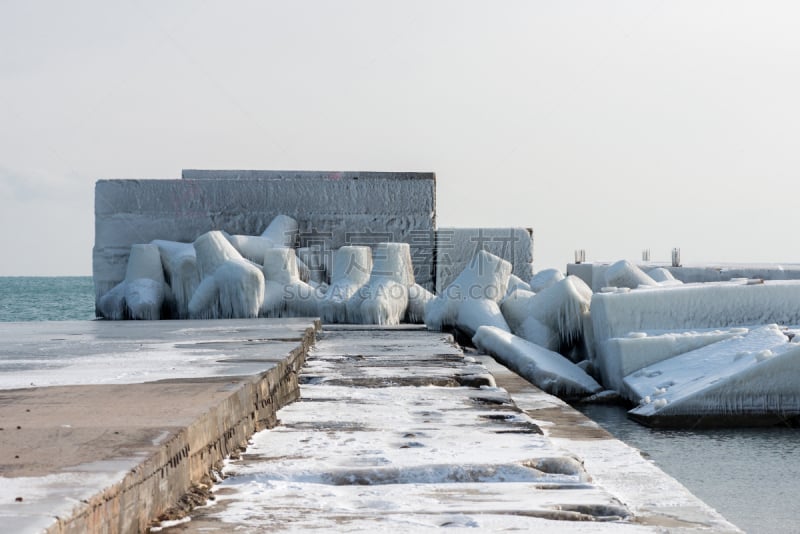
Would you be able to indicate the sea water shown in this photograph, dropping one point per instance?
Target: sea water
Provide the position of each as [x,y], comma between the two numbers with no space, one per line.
[46,298]
[751,476]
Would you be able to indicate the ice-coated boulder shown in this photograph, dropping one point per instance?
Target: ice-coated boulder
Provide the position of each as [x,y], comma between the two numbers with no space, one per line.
[384,298]
[180,267]
[285,294]
[351,271]
[251,247]
[625,274]
[515,282]
[544,279]
[548,370]
[485,277]
[231,286]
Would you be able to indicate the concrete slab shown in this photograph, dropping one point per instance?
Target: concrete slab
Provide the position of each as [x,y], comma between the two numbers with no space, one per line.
[455,247]
[332,209]
[405,453]
[107,448]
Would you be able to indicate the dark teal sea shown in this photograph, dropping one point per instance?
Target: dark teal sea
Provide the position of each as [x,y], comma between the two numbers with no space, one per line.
[46,298]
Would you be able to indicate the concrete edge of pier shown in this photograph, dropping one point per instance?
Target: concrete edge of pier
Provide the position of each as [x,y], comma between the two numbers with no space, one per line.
[201,421]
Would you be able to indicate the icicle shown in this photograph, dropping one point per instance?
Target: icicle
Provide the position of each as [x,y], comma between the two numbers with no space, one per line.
[237,290]
[285,294]
[351,268]
[384,299]
[562,306]
[112,305]
[180,267]
[418,298]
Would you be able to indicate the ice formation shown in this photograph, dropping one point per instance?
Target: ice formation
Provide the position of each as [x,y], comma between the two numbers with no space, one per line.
[553,318]
[692,307]
[751,378]
[663,276]
[230,287]
[485,277]
[315,259]
[141,295]
[180,267]
[285,294]
[251,247]
[384,298]
[515,282]
[418,298]
[544,279]
[351,271]
[546,369]
[625,355]
[282,231]
[476,313]
[625,274]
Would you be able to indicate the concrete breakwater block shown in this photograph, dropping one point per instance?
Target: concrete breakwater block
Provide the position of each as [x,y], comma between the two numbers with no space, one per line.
[455,247]
[136,415]
[332,210]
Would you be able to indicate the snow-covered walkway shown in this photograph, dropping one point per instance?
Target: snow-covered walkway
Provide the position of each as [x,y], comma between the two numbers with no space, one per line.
[398,430]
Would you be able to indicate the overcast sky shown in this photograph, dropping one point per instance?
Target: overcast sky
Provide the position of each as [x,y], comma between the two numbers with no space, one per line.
[609,126]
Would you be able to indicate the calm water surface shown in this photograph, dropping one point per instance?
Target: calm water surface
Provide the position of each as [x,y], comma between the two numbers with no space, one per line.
[46,298]
[750,475]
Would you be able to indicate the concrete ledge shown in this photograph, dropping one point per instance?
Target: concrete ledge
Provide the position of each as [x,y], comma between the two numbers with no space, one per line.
[111,458]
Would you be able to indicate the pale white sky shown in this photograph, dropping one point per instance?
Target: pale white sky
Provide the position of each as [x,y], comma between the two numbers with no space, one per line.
[611,126]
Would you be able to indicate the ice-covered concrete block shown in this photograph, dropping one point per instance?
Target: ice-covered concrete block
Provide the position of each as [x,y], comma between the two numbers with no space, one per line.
[455,247]
[625,274]
[625,355]
[746,379]
[546,369]
[594,273]
[331,210]
[692,307]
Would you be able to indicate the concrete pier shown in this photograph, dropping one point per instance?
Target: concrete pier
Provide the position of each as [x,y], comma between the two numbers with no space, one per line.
[398,430]
[104,426]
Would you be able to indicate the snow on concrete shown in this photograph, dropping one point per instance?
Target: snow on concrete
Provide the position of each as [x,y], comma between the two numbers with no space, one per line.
[231,286]
[350,272]
[625,355]
[548,370]
[544,279]
[625,274]
[485,277]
